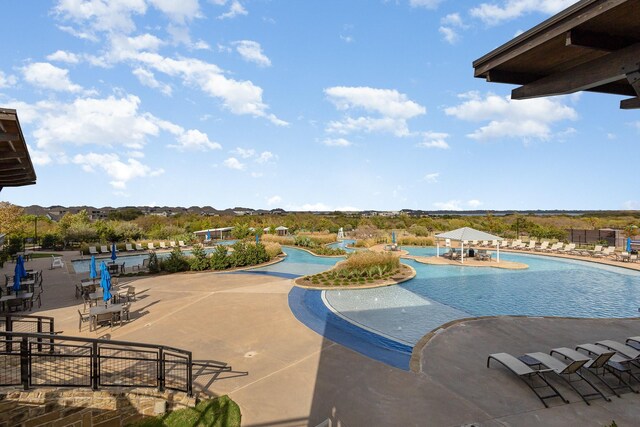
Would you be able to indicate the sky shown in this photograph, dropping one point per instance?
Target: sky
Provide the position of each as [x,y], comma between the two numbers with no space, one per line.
[300,105]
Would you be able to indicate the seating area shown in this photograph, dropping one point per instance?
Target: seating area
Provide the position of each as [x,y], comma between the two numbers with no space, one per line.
[30,293]
[105,250]
[612,364]
[98,312]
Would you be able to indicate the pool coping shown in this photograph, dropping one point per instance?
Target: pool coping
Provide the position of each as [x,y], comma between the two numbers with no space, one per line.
[415,363]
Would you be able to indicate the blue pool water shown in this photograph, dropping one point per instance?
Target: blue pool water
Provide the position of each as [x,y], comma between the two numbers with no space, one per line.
[299,263]
[343,245]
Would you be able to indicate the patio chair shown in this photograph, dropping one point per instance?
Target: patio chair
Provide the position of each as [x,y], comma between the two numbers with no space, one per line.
[144,266]
[139,247]
[56,261]
[172,244]
[163,245]
[131,294]
[598,367]
[150,246]
[129,247]
[504,244]
[568,372]
[181,244]
[105,318]
[104,249]
[622,256]
[35,297]
[93,250]
[527,375]
[83,318]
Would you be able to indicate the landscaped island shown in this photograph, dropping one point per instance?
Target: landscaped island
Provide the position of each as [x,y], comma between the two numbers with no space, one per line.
[361,270]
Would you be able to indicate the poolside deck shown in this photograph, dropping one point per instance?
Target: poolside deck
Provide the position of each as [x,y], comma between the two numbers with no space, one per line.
[296,377]
[469,262]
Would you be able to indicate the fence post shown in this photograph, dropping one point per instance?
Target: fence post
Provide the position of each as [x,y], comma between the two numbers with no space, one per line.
[24,362]
[190,374]
[51,330]
[39,332]
[95,376]
[9,328]
[161,369]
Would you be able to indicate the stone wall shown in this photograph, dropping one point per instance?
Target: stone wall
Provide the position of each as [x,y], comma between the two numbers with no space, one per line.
[81,407]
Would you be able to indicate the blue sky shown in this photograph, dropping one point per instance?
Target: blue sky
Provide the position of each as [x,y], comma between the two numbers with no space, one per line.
[302,105]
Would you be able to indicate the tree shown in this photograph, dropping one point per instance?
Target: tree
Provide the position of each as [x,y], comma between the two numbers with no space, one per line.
[10,218]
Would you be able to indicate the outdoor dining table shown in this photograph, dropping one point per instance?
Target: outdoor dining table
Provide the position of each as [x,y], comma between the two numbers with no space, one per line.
[19,296]
[95,311]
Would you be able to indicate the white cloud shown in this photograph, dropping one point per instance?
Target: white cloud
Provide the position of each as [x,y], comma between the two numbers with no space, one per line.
[347,39]
[256,174]
[450,205]
[336,142]
[395,109]
[428,4]
[493,14]
[434,140]
[147,78]
[272,201]
[245,153]
[235,9]
[47,76]
[101,15]
[233,163]
[432,178]
[474,204]
[119,171]
[525,119]
[179,11]
[7,80]
[251,51]
[194,140]
[63,56]
[39,157]
[266,156]
[631,205]
[449,34]
[452,19]
[321,207]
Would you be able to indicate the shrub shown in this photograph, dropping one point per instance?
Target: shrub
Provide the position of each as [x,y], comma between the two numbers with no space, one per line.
[154,264]
[364,243]
[50,241]
[245,254]
[219,259]
[415,241]
[273,249]
[326,251]
[283,240]
[368,265]
[175,262]
[198,260]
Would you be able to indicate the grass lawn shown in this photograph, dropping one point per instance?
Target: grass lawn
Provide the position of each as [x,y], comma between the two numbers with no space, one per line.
[35,255]
[219,412]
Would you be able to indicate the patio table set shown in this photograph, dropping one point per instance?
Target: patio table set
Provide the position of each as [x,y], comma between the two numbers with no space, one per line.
[22,289]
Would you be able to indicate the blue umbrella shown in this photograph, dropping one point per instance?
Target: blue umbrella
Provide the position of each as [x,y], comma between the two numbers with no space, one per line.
[393,237]
[257,238]
[16,277]
[113,252]
[628,244]
[20,265]
[105,282]
[208,235]
[92,268]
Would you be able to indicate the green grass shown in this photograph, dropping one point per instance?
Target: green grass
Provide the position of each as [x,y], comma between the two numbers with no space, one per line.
[35,255]
[219,412]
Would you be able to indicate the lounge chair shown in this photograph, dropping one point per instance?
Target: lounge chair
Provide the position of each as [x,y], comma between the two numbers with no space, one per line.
[104,249]
[622,256]
[592,252]
[623,349]
[527,375]
[474,243]
[129,247]
[139,247]
[567,249]
[543,246]
[599,367]
[618,358]
[181,244]
[172,244]
[531,246]
[504,244]
[162,245]
[565,372]
[56,261]
[93,250]
[150,246]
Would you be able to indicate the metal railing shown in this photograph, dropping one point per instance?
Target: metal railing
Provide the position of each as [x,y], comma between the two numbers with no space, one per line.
[35,360]
[27,323]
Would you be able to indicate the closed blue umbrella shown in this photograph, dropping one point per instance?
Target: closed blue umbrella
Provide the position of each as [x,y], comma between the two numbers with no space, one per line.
[105,282]
[17,274]
[113,252]
[393,237]
[257,238]
[92,268]
[628,244]
[20,265]
[208,235]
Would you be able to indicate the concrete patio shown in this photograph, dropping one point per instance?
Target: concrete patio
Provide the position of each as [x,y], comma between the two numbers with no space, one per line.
[296,377]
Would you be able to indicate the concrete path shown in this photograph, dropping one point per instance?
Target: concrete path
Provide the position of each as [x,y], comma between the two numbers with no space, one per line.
[294,377]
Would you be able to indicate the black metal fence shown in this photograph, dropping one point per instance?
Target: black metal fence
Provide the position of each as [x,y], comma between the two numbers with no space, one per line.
[33,360]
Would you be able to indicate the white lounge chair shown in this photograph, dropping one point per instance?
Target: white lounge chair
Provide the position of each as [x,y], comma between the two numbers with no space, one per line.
[181,244]
[139,247]
[543,246]
[56,261]
[150,246]
[129,247]
[93,250]
[162,245]
[172,244]
[559,247]
[504,244]
[567,249]
[531,246]
[104,249]
[595,250]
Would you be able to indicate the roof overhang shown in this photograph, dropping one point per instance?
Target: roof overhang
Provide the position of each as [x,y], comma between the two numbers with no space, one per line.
[16,168]
[467,233]
[593,46]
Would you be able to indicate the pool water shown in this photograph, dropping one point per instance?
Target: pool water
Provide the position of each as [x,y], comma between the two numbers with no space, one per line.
[299,263]
[343,245]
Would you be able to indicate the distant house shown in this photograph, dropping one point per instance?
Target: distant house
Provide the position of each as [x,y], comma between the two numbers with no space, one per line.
[282,230]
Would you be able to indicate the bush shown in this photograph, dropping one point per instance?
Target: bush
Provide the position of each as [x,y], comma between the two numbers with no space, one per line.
[364,243]
[154,264]
[245,254]
[219,259]
[15,245]
[415,241]
[273,249]
[198,260]
[368,265]
[283,240]
[175,262]
[326,251]
[50,241]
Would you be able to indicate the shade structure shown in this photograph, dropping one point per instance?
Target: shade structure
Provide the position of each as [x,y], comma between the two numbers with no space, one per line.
[16,168]
[105,282]
[92,268]
[113,252]
[464,234]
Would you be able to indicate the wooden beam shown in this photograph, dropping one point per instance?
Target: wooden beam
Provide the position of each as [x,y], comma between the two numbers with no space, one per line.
[6,137]
[511,77]
[11,155]
[630,104]
[634,80]
[597,41]
[604,70]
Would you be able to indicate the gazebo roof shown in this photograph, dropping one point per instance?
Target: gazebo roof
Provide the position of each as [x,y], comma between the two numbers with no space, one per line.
[467,233]
[281,228]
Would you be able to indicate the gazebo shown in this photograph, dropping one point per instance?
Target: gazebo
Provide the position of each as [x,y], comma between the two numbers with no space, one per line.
[465,234]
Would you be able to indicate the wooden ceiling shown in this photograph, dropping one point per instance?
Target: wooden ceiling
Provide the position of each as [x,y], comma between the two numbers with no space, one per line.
[16,168]
[593,45]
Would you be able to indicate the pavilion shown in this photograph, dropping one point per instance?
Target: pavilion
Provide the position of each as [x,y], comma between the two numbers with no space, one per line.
[463,235]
